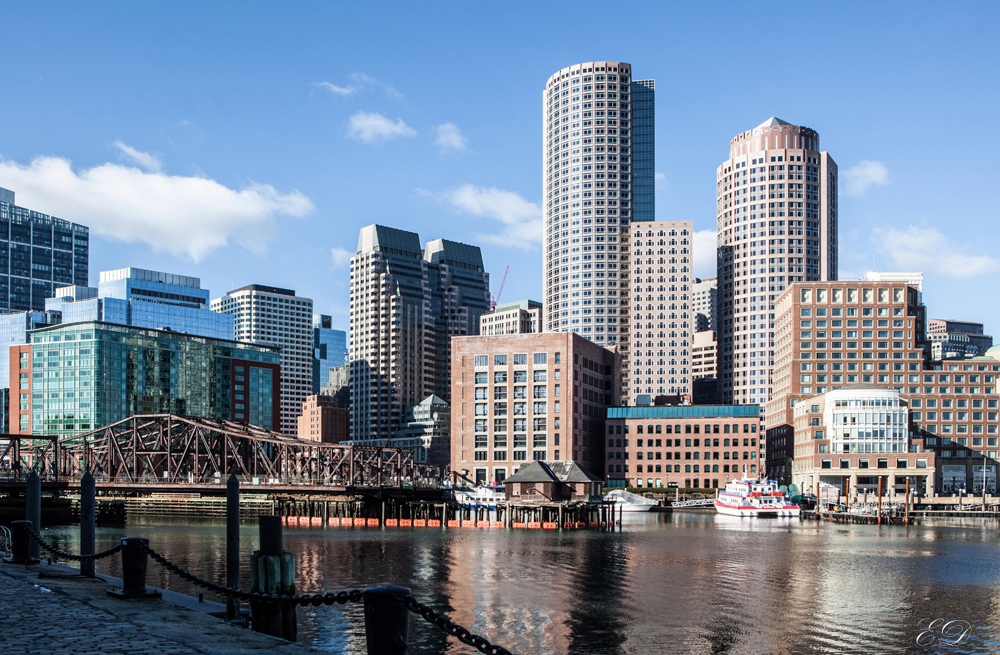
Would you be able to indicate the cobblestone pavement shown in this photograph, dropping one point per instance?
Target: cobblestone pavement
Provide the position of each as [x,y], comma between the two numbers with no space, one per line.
[57,616]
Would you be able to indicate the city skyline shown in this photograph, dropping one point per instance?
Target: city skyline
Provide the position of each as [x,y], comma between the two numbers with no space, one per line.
[372,112]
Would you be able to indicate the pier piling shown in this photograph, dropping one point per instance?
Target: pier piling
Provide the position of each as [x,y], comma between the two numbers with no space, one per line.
[272,571]
[88,522]
[233,544]
[33,511]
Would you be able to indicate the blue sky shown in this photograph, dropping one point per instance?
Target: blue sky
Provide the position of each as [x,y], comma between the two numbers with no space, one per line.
[247,143]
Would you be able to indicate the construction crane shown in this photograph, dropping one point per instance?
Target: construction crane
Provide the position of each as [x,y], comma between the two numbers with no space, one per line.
[496,298]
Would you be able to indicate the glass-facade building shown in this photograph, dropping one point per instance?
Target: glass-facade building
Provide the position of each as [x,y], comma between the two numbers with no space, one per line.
[643,147]
[14,330]
[142,298]
[329,350]
[37,254]
[91,374]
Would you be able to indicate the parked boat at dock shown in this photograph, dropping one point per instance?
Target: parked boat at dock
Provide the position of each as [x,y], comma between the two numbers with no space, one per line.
[755,498]
[626,501]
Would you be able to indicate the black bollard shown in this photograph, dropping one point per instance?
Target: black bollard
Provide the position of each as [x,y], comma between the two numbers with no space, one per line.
[33,507]
[232,544]
[387,620]
[88,508]
[271,541]
[134,561]
[21,544]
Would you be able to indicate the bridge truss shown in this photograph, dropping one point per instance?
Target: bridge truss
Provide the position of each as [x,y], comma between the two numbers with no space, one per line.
[163,449]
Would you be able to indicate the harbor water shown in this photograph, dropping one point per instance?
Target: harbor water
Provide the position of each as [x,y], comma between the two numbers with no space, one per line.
[695,583]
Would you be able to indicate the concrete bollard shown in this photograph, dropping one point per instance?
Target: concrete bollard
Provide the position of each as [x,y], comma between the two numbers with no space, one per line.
[134,560]
[21,544]
[88,522]
[233,544]
[33,507]
[387,620]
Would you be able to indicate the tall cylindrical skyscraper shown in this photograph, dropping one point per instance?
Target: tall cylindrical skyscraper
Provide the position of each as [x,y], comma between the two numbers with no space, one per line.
[589,169]
[776,223]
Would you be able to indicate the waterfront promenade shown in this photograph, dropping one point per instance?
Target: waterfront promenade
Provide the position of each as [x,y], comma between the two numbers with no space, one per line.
[58,616]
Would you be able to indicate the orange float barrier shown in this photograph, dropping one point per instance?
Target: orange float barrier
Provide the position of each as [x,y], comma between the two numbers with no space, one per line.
[284,520]
[595,524]
[496,524]
[358,523]
[406,523]
[468,524]
[317,520]
[372,523]
[453,523]
[391,523]
[293,520]
[550,525]
[420,523]
[433,523]
[519,525]
[333,522]
[534,525]
[482,524]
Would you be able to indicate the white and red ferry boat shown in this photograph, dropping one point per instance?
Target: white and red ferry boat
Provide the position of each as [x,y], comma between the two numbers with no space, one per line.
[759,498]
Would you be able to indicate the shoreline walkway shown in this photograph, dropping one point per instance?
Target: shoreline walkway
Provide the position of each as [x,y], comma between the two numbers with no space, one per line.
[46,609]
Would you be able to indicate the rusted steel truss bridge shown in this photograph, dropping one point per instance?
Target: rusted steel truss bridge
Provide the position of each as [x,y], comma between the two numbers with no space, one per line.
[164,451]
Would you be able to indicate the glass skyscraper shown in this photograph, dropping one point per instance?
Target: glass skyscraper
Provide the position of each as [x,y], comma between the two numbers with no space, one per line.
[38,253]
[80,376]
[330,349]
[643,146]
[141,298]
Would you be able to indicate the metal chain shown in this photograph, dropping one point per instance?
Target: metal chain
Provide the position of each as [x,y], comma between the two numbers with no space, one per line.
[61,554]
[341,597]
[462,634]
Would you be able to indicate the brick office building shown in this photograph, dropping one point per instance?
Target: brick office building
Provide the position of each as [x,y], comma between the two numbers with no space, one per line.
[322,420]
[526,397]
[692,445]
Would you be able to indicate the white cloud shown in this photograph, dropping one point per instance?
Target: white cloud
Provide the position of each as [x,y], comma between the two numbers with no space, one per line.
[340,257]
[358,82]
[522,220]
[926,249]
[371,128]
[450,138]
[704,253]
[190,216]
[339,90]
[660,180]
[150,162]
[866,174]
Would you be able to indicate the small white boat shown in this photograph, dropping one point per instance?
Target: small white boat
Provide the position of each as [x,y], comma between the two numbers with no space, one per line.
[759,498]
[485,496]
[626,501]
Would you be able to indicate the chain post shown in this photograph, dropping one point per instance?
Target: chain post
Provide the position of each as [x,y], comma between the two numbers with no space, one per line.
[33,507]
[387,620]
[88,518]
[134,570]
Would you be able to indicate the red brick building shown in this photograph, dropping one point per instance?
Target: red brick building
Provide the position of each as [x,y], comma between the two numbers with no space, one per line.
[321,420]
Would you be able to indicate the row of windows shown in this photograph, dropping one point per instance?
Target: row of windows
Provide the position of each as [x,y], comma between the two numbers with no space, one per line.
[726,428]
[518,359]
[688,468]
[676,443]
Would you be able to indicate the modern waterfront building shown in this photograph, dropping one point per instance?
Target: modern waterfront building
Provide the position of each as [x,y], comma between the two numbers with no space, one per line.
[276,317]
[527,397]
[329,350]
[700,446]
[521,317]
[662,325]
[704,296]
[407,303]
[598,176]
[37,254]
[321,420]
[76,377]
[143,298]
[850,438]
[703,355]
[776,223]
[14,329]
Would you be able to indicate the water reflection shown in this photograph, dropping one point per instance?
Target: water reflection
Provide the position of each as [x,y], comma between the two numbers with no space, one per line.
[688,583]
